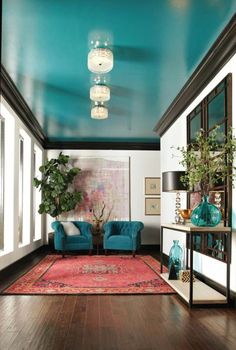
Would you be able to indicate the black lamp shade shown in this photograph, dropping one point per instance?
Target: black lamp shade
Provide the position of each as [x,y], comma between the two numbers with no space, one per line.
[171,181]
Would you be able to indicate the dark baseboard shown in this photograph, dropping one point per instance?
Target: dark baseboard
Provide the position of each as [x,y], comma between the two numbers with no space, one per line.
[22,262]
[165,259]
[151,247]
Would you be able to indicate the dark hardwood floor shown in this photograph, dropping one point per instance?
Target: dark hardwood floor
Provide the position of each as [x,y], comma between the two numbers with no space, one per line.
[134,322]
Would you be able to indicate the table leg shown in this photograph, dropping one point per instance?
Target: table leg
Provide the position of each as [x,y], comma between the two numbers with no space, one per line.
[186,251]
[228,267]
[161,249]
[191,271]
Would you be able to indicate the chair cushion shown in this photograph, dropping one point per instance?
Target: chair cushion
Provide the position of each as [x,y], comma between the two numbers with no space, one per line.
[76,239]
[119,242]
[70,229]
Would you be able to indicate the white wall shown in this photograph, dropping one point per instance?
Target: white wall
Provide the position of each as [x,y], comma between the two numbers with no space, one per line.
[142,164]
[176,135]
[12,251]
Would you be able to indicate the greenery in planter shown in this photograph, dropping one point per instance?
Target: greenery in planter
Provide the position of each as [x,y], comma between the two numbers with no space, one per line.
[57,194]
[208,161]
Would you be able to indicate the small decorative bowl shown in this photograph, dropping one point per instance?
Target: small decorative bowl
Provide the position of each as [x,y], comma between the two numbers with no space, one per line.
[185,213]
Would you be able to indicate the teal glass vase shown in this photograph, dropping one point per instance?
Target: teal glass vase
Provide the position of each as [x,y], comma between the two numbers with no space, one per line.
[218,249]
[206,214]
[175,259]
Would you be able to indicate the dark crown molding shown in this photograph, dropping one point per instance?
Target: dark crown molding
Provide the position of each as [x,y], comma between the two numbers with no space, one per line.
[134,146]
[11,94]
[220,52]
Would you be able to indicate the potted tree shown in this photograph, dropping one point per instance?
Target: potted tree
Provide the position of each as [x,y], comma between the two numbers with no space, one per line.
[58,195]
[208,161]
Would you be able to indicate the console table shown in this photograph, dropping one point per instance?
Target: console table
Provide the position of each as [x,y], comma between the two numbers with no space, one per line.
[198,293]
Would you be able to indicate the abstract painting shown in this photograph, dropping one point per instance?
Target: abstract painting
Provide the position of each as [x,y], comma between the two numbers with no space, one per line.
[105,183]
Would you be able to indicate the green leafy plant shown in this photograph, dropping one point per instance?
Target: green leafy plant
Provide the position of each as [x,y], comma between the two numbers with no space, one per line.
[57,193]
[207,161]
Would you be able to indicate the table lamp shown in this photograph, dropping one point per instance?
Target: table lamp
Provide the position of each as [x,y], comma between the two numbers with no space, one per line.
[171,183]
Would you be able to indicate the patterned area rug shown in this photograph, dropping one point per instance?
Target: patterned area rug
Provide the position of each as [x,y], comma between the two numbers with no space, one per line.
[92,275]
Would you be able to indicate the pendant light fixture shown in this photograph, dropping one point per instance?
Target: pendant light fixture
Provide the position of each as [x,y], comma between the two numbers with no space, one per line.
[99,112]
[100,60]
[100,93]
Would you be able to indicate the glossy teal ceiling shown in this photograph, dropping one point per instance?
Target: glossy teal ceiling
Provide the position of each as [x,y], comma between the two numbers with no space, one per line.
[157,44]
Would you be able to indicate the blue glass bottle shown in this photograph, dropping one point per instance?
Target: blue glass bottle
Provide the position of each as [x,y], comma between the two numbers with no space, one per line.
[219,248]
[176,257]
[206,214]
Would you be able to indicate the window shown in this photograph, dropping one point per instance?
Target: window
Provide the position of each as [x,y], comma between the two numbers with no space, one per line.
[37,218]
[7,179]
[25,187]
[2,152]
[21,188]
[214,109]
[195,122]
[34,195]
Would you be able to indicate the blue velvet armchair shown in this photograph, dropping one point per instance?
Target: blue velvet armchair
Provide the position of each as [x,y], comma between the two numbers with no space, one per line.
[64,242]
[122,235]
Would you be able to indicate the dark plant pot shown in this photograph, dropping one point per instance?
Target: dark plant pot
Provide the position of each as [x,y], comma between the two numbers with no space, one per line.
[51,241]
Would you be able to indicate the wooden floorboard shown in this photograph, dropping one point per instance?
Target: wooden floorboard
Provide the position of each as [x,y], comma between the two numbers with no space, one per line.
[109,322]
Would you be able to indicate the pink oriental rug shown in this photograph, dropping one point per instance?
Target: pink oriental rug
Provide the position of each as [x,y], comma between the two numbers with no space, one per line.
[92,275]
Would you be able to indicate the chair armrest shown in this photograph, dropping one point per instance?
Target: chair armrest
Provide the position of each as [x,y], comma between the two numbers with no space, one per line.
[137,227]
[136,234]
[59,235]
[58,229]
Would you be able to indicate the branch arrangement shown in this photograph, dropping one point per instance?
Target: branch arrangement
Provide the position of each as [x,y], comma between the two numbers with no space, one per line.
[96,217]
[209,160]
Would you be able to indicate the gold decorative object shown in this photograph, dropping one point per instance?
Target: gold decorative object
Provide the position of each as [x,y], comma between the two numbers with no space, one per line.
[98,220]
[184,276]
[185,213]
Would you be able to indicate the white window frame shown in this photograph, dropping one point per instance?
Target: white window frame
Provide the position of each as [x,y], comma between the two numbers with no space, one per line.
[9,181]
[2,179]
[37,195]
[20,190]
[26,186]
